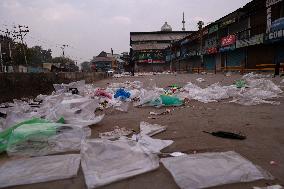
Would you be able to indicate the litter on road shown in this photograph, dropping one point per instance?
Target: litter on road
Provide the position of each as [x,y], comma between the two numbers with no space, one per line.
[38,169]
[105,161]
[151,129]
[212,169]
[116,133]
[269,187]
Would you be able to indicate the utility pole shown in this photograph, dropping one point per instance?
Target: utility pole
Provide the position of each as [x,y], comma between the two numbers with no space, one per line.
[183,22]
[23,31]
[1,58]
[63,48]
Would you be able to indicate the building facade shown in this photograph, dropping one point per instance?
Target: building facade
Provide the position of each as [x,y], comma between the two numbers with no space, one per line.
[250,38]
[150,48]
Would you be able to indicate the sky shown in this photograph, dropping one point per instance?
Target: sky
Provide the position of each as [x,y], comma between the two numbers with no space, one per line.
[91,26]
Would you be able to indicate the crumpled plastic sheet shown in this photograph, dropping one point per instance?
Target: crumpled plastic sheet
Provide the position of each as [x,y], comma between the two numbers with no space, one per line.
[105,161]
[76,110]
[213,93]
[147,96]
[38,169]
[63,88]
[200,80]
[212,169]
[253,75]
[68,138]
[269,187]
[258,90]
[151,129]
[153,145]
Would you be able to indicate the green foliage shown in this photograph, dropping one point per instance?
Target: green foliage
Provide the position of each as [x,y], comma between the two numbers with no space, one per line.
[62,60]
[86,67]
[36,55]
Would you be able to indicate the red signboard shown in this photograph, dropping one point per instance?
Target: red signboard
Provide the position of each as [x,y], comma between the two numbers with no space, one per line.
[158,61]
[229,40]
[212,50]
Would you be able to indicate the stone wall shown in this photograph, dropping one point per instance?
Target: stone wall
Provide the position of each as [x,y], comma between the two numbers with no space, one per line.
[18,85]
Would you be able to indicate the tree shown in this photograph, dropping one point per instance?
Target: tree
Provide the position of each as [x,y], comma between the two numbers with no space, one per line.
[86,67]
[36,55]
[62,60]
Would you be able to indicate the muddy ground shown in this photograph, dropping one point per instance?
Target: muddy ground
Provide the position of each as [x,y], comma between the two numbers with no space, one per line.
[263,125]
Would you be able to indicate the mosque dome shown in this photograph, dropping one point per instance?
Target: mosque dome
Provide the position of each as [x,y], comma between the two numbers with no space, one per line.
[166,27]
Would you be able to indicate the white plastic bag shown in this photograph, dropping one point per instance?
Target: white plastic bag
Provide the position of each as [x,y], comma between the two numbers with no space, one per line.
[105,161]
[39,169]
[212,169]
[151,129]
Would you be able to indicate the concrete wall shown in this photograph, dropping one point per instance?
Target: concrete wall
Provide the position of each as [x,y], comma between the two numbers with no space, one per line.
[18,85]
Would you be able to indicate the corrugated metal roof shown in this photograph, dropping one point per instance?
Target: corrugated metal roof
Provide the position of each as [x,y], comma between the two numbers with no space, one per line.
[158,37]
[150,46]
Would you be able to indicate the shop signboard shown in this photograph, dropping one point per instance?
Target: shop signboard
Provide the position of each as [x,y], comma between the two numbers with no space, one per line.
[212,50]
[227,22]
[255,40]
[277,24]
[229,40]
[142,61]
[276,35]
[158,61]
[213,28]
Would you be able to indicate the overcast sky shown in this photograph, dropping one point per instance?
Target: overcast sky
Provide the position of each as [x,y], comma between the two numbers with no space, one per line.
[90,26]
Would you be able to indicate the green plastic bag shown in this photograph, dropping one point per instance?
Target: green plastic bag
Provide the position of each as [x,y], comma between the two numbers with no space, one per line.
[6,134]
[32,132]
[156,102]
[171,100]
[240,84]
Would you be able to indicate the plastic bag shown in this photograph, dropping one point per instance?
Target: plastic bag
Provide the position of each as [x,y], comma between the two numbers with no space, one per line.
[103,93]
[5,135]
[45,139]
[122,94]
[39,169]
[151,129]
[171,100]
[105,161]
[64,88]
[212,169]
[240,84]
[153,145]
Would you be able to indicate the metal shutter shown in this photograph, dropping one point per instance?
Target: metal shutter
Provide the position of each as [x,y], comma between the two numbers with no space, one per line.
[236,57]
[209,62]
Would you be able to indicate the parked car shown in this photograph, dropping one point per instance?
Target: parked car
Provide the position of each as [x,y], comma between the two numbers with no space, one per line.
[111,71]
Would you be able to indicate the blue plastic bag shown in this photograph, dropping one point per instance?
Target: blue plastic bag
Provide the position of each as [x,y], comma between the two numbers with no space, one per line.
[122,94]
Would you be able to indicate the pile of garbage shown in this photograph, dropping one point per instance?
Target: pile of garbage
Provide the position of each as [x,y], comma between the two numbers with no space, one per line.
[35,130]
[252,89]
[79,103]
[105,161]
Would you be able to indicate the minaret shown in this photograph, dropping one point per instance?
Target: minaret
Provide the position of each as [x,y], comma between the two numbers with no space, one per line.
[183,22]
